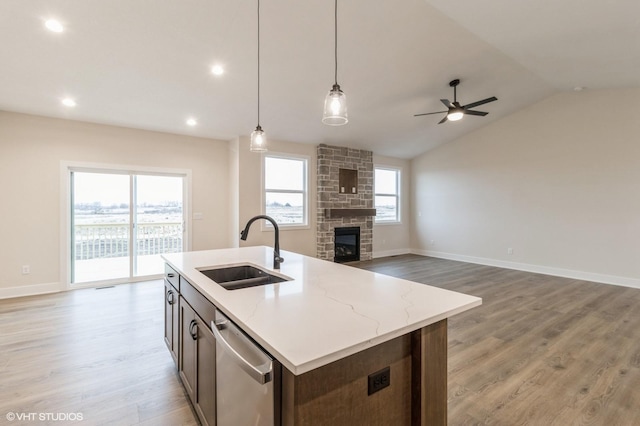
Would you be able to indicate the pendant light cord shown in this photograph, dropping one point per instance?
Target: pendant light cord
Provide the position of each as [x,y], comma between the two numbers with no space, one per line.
[336,40]
[259,63]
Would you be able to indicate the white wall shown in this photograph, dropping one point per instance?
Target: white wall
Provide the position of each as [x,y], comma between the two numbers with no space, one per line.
[31,151]
[393,239]
[234,192]
[250,198]
[559,182]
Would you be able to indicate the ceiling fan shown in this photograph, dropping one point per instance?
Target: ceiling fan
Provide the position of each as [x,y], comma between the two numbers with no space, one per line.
[457,111]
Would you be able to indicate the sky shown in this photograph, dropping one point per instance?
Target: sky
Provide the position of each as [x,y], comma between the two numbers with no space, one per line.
[111,189]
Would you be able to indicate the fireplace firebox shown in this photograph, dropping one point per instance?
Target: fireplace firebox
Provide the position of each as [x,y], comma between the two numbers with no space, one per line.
[347,244]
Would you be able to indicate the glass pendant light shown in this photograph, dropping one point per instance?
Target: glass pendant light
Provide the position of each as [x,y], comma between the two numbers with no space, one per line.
[258,140]
[335,104]
[258,137]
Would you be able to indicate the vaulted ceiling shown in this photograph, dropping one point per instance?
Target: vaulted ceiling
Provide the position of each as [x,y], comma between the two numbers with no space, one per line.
[146,63]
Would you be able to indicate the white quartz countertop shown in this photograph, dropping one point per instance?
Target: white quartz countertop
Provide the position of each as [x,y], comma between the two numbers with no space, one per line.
[328,311]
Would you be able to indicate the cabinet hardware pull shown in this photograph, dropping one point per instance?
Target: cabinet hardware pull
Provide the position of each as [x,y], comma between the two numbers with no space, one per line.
[193,329]
[170,299]
[171,275]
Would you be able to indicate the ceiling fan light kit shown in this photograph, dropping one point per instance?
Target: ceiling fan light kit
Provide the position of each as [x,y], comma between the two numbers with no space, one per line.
[455,114]
[456,111]
[335,103]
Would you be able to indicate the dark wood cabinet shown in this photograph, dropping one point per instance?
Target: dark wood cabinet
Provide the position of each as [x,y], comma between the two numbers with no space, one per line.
[171,324]
[172,276]
[188,348]
[197,363]
[205,374]
[191,342]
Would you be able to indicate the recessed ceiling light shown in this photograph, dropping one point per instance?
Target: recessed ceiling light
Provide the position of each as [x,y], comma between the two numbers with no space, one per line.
[192,122]
[217,70]
[53,25]
[579,88]
[68,102]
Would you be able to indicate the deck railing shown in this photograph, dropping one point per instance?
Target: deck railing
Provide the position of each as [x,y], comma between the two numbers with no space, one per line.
[112,239]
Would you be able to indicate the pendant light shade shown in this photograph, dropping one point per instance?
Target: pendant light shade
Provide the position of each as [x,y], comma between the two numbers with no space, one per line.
[258,140]
[335,107]
[258,137]
[335,104]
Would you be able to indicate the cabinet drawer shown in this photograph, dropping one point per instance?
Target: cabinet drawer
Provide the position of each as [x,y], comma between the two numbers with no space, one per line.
[172,276]
[205,309]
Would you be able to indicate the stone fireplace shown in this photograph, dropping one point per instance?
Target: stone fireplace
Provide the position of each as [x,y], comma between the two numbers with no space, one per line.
[345,199]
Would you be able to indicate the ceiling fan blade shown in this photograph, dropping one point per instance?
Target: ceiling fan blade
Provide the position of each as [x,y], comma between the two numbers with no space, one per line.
[429,113]
[443,120]
[482,102]
[480,113]
[446,103]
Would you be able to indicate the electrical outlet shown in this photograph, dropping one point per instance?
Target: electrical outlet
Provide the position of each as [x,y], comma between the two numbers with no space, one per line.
[379,380]
[510,251]
[26,270]
[432,242]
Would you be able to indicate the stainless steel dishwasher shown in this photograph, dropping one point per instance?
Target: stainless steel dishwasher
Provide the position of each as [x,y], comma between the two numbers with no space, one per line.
[247,378]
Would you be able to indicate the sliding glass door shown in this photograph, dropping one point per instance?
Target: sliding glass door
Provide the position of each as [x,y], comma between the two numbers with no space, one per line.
[158,221]
[122,223]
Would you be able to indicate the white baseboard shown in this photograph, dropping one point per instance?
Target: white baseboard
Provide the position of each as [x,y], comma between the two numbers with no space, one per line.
[29,290]
[387,253]
[35,289]
[539,269]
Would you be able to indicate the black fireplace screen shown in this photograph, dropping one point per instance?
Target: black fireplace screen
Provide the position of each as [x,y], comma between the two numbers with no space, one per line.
[347,244]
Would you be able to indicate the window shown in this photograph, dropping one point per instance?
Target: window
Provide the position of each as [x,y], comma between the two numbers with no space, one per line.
[285,189]
[387,195]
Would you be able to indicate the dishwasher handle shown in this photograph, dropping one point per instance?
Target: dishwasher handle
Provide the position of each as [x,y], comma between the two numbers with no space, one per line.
[262,373]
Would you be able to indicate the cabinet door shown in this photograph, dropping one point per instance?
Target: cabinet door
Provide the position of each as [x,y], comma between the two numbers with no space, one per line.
[188,345]
[171,326]
[206,374]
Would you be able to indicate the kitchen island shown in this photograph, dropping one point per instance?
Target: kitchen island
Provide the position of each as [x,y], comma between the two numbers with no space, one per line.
[332,328]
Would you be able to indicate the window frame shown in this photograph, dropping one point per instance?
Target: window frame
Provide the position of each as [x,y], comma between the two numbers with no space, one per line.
[397,195]
[266,226]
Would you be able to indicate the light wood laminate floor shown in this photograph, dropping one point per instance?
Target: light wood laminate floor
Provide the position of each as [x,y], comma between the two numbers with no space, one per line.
[97,352]
[541,350]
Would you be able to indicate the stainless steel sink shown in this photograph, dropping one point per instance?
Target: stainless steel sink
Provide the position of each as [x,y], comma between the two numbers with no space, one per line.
[242,276]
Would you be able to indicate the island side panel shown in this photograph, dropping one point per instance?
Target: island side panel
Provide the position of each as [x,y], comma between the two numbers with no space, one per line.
[337,394]
[429,377]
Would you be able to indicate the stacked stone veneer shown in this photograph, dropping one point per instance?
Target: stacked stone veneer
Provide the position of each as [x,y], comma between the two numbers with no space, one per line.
[330,160]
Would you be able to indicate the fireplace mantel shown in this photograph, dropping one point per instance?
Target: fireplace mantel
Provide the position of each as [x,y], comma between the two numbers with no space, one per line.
[336,213]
